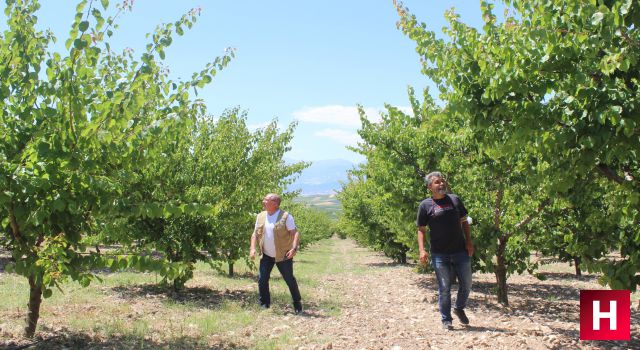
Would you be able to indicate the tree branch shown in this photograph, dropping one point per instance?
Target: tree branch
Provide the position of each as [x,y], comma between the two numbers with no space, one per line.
[532,216]
[15,229]
[609,174]
[406,158]
[496,209]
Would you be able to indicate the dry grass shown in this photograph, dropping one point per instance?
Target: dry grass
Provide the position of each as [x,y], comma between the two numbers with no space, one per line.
[130,310]
[353,298]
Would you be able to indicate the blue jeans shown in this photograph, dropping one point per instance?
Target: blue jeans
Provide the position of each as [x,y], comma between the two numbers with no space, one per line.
[286,270]
[445,266]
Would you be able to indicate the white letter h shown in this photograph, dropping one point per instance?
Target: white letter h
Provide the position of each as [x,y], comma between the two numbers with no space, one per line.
[611,315]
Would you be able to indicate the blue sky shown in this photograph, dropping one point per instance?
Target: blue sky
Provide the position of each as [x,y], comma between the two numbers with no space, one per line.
[304,61]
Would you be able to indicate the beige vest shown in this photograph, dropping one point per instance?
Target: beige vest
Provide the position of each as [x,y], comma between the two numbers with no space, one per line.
[283,239]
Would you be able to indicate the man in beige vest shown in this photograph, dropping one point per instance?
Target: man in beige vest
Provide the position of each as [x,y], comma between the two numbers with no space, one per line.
[278,239]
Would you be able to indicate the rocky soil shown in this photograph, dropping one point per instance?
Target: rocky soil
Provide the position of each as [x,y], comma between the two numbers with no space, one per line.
[393,307]
[379,305]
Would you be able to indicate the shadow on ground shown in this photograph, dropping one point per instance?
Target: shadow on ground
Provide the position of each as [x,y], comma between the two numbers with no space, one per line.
[634,343]
[201,297]
[74,340]
[550,301]
[563,276]
[3,262]
[245,275]
[387,264]
[481,329]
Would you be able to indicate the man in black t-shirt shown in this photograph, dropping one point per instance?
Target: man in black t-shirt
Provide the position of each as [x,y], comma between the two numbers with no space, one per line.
[451,245]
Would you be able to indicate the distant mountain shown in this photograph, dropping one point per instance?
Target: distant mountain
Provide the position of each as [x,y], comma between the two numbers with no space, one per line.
[322,177]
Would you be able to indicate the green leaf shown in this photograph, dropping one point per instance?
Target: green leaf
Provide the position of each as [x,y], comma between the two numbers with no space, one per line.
[85,281]
[624,9]
[105,4]
[83,26]
[5,197]
[79,44]
[597,18]
[123,264]
[80,6]
[10,267]
[625,64]
[59,204]
[113,265]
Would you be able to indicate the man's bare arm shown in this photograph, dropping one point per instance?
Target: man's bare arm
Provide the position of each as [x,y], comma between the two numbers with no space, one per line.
[252,247]
[467,235]
[423,253]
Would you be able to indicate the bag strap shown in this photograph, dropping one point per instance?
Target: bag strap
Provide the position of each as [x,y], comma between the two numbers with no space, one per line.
[455,202]
[284,215]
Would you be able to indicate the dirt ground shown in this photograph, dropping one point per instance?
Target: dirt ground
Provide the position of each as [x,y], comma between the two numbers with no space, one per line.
[396,308]
[390,306]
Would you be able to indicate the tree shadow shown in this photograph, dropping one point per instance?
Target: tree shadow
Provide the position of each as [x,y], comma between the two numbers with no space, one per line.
[201,297]
[387,264]
[4,260]
[76,340]
[563,276]
[634,343]
[551,301]
[428,281]
[481,329]
[535,290]
[245,275]
[213,299]
[314,309]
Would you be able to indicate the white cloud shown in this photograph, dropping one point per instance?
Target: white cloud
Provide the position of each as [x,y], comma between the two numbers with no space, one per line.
[341,115]
[406,109]
[256,126]
[342,136]
[335,115]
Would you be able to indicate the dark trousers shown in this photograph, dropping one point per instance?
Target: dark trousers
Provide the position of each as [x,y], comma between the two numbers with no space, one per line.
[286,270]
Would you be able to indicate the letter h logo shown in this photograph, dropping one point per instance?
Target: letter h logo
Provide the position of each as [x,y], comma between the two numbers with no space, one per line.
[605,315]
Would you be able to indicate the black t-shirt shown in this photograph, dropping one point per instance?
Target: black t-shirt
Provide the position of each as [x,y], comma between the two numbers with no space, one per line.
[443,218]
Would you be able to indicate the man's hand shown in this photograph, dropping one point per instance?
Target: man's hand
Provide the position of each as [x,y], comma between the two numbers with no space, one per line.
[252,254]
[470,248]
[291,253]
[423,257]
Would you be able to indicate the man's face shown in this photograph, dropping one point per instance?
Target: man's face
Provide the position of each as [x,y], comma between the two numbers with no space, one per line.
[438,186]
[269,204]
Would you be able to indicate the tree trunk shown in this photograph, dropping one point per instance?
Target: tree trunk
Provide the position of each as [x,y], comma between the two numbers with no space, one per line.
[402,259]
[576,261]
[230,269]
[501,271]
[501,279]
[35,299]
[177,285]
